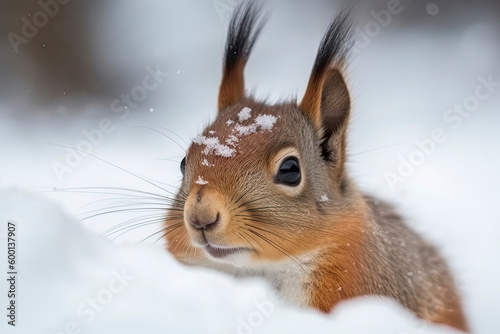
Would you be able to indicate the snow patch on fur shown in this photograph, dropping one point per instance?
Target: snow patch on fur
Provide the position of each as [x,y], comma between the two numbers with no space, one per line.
[200,181]
[213,146]
[244,114]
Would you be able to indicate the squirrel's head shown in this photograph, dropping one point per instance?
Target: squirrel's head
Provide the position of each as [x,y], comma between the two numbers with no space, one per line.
[264,183]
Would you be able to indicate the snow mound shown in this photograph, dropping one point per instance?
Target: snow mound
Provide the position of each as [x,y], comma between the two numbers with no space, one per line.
[73,281]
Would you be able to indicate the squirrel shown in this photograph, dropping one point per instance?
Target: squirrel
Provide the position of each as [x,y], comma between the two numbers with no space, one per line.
[265,193]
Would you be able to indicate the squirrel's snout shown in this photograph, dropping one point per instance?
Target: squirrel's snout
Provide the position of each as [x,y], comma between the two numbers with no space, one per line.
[203,210]
[204,221]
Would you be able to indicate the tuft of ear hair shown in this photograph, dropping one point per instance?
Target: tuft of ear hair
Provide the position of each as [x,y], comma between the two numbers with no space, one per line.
[326,101]
[244,28]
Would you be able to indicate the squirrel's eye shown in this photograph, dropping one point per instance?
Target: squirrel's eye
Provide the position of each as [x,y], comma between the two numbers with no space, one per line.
[289,172]
[183,166]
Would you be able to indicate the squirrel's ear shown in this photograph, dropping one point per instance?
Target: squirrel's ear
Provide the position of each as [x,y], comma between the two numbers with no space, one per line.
[243,31]
[328,104]
[326,81]
[335,104]
[335,111]
[326,101]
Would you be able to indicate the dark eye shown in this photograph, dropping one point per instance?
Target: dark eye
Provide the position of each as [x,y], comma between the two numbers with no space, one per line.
[183,166]
[289,172]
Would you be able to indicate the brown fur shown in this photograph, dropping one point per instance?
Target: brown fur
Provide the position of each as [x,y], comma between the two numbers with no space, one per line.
[232,87]
[321,241]
[244,29]
[311,101]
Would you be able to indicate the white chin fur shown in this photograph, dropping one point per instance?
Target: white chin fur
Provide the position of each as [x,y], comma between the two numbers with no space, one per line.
[238,260]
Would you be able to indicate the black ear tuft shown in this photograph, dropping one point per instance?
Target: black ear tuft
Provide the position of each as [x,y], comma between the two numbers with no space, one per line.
[336,43]
[332,53]
[244,28]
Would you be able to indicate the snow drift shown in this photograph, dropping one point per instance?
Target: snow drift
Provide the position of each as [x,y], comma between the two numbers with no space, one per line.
[73,281]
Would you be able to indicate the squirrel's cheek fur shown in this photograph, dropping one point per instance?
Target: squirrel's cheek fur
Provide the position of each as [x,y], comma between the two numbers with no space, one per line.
[265,193]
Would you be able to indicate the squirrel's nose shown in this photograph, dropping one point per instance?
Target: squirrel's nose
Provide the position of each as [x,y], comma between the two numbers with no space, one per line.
[201,222]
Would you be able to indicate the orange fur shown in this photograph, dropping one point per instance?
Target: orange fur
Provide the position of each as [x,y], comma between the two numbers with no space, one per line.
[311,101]
[232,88]
[451,315]
[339,268]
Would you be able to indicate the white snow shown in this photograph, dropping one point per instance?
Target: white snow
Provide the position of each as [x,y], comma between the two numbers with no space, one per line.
[232,140]
[213,146]
[244,130]
[83,283]
[229,122]
[206,163]
[323,198]
[244,114]
[201,181]
[265,122]
[262,122]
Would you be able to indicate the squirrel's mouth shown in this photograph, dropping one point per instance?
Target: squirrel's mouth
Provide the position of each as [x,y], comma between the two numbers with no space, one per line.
[220,252]
[217,251]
